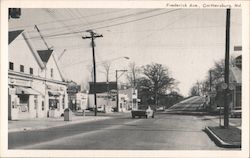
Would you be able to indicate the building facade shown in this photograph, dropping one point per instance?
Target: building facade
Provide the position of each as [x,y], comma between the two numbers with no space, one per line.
[72,90]
[106,95]
[235,88]
[36,87]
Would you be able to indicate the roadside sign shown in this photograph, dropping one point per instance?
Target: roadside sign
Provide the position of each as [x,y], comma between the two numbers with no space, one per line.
[212,94]
[231,87]
[224,86]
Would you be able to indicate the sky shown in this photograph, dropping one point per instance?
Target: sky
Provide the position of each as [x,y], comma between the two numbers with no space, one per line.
[187,41]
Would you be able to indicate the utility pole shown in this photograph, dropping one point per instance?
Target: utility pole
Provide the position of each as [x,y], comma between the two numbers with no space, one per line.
[198,87]
[92,37]
[210,80]
[226,76]
[117,91]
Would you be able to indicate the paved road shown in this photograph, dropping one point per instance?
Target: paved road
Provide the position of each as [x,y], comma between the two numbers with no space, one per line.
[164,132]
[194,106]
[191,104]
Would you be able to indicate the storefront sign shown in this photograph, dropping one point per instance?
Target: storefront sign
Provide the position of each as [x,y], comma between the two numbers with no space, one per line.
[12,91]
[212,94]
[231,87]
[19,82]
[224,86]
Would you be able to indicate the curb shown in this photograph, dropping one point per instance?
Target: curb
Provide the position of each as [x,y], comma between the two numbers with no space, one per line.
[65,123]
[186,113]
[219,142]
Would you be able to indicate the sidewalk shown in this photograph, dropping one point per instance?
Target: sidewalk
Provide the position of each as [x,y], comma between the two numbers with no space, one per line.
[185,112]
[225,137]
[44,123]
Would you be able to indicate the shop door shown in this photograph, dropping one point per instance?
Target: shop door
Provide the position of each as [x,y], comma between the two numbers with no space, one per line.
[23,111]
[24,103]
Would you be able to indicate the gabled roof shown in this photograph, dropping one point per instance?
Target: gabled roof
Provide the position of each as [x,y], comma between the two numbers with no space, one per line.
[41,56]
[13,35]
[45,54]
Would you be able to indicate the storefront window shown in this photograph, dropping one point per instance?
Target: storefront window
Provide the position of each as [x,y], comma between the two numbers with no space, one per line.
[35,102]
[11,66]
[53,104]
[58,106]
[42,105]
[24,102]
[63,102]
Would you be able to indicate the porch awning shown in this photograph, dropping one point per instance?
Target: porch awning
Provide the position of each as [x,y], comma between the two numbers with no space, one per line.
[54,93]
[23,90]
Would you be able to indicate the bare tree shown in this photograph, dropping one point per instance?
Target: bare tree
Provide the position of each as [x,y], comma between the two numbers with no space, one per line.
[196,89]
[91,71]
[133,75]
[106,65]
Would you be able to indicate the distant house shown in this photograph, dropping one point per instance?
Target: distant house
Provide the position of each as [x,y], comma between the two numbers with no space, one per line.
[36,85]
[235,86]
[235,77]
[105,94]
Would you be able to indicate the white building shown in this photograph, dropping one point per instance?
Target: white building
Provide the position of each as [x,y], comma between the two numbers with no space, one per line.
[81,101]
[107,100]
[36,86]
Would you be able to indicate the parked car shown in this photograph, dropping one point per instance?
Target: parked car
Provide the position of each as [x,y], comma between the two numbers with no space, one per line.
[100,109]
[161,108]
[143,112]
[90,109]
[236,113]
[220,110]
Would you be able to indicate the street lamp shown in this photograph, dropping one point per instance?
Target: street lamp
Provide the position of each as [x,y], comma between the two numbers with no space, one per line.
[117,89]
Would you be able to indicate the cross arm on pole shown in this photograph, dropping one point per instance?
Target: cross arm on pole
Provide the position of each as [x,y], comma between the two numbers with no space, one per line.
[85,37]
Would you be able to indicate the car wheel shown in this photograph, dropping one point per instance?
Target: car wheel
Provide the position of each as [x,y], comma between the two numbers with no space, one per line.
[146,116]
[133,116]
[153,116]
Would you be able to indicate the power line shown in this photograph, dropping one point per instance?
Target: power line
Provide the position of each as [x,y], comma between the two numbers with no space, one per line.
[112,25]
[53,15]
[164,27]
[102,21]
[70,19]
[151,30]
[110,19]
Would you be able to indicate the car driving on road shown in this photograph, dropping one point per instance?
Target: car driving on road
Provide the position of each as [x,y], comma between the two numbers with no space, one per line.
[143,112]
